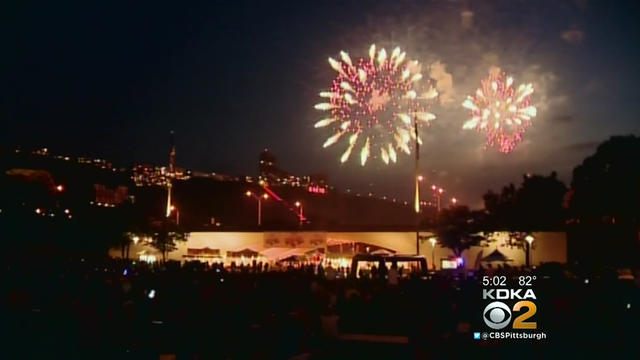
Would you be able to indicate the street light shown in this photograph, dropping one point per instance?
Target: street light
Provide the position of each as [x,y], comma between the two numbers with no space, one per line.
[438,196]
[432,240]
[529,239]
[300,212]
[454,201]
[259,198]
[418,178]
[174,208]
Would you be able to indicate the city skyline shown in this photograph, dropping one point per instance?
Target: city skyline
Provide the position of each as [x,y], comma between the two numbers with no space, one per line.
[233,79]
[147,174]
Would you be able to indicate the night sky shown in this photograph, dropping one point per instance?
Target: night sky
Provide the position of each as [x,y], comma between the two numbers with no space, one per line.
[233,77]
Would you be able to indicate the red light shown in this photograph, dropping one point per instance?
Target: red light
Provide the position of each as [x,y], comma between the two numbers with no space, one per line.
[272,194]
[317,189]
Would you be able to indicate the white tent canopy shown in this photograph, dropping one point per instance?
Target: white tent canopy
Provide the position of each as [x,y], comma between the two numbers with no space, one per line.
[277,253]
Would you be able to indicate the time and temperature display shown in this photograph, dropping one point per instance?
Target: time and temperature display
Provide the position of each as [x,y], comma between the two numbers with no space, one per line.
[523,280]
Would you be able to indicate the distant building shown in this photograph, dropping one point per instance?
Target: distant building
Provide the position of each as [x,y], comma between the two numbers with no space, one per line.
[271,174]
[100,163]
[268,170]
[149,175]
[218,177]
[108,196]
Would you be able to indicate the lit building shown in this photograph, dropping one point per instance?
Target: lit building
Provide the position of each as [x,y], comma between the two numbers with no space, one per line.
[271,174]
[149,175]
[107,196]
[217,177]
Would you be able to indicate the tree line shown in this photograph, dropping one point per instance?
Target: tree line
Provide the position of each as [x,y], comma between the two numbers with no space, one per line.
[604,190]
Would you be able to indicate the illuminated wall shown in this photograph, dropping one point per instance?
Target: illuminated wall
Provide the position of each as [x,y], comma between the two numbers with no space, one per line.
[547,247]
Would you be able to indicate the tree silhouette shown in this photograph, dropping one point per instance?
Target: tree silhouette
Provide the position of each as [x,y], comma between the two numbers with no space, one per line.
[536,205]
[458,229]
[540,202]
[605,187]
[165,235]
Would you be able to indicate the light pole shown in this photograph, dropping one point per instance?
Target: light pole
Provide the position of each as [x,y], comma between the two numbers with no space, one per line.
[432,240]
[259,198]
[300,211]
[417,178]
[529,239]
[437,194]
[420,180]
[168,213]
[174,208]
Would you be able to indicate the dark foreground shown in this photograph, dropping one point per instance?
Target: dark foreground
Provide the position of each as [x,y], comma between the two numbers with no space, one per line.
[88,309]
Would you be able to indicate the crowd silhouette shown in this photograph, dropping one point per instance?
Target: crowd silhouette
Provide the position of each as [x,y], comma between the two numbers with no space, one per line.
[88,308]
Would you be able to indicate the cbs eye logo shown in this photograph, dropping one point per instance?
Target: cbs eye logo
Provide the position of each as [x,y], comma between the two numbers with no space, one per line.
[497,315]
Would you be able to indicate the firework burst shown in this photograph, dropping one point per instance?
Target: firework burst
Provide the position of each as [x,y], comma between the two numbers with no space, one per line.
[500,110]
[372,103]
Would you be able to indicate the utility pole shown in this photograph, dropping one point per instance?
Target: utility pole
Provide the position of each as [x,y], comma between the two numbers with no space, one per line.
[417,181]
[171,174]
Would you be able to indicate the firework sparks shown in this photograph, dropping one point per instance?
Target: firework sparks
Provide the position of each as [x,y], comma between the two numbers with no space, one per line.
[500,110]
[374,100]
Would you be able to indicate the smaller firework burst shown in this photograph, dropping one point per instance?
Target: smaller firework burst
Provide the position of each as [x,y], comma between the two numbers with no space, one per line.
[500,110]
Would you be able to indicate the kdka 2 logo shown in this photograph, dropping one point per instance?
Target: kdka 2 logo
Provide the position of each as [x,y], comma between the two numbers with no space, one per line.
[498,315]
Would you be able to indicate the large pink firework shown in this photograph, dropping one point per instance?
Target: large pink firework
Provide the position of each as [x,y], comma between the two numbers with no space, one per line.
[501,111]
[373,102]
